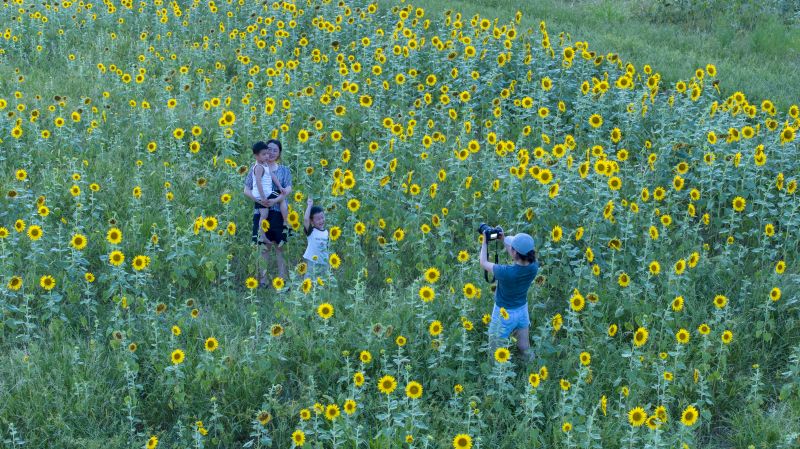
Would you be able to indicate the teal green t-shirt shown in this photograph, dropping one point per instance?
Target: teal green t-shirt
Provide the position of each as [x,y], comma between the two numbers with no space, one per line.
[513,282]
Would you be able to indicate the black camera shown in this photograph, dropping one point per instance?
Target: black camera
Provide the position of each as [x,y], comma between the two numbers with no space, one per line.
[490,233]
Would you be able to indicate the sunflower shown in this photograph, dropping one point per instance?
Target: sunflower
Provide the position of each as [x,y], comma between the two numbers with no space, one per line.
[534,380]
[739,203]
[780,267]
[278,283]
[353,205]
[365,356]
[470,291]
[358,378]
[612,330]
[398,234]
[624,280]
[325,310]
[332,412]
[689,416]
[251,283]
[34,232]
[78,241]
[775,294]
[210,223]
[334,261]
[787,135]
[431,275]
[414,390]
[114,236]
[47,282]
[727,337]
[682,336]
[116,258]
[435,328]
[350,406]
[577,302]
[640,337]
[15,283]
[680,267]
[306,286]
[462,441]
[557,321]
[596,120]
[585,358]
[264,417]
[298,438]
[677,304]
[463,256]
[637,416]
[387,384]
[426,293]
[177,357]
[720,301]
[655,268]
[556,233]
[502,355]
[140,262]
[211,344]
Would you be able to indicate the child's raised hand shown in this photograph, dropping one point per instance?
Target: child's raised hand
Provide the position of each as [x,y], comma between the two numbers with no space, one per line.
[310,201]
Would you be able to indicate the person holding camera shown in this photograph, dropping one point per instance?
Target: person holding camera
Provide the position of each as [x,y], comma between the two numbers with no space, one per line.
[511,295]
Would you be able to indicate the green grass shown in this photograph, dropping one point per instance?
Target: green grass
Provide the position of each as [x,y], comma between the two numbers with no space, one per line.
[761,59]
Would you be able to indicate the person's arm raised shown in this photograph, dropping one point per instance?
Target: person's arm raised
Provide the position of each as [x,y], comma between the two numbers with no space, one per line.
[483,258]
[307,215]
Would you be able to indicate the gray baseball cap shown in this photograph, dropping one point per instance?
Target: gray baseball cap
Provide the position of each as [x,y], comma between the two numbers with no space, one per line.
[522,243]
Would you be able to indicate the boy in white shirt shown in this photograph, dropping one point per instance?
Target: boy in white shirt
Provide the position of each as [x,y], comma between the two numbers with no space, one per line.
[316,255]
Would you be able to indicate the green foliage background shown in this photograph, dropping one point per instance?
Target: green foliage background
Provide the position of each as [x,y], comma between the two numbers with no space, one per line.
[69,376]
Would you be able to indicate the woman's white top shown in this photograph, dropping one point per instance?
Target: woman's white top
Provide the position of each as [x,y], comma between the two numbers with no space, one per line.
[317,246]
[266,183]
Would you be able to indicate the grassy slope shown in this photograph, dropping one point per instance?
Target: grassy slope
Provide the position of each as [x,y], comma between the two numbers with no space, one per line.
[763,63]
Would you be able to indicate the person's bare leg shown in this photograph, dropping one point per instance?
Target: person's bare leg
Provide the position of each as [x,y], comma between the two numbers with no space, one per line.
[281,262]
[524,344]
[265,256]
[263,214]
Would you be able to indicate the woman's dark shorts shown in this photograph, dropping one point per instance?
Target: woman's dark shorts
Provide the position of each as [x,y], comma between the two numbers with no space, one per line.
[276,232]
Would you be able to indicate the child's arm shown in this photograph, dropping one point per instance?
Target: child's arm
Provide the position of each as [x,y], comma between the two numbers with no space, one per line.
[258,172]
[307,216]
[276,185]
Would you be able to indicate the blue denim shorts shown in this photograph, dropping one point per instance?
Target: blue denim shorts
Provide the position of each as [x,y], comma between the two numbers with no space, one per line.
[517,319]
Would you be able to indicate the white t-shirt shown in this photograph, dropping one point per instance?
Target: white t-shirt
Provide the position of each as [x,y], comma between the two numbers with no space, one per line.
[317,246]
[266,183]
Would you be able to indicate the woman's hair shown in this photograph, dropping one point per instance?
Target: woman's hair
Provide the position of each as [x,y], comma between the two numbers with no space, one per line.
[530,257]
[278,143]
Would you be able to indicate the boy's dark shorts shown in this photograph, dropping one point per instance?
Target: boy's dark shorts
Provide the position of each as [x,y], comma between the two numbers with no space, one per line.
[276,232]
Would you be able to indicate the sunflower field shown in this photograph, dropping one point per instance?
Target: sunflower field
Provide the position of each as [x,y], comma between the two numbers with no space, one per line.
[665,315]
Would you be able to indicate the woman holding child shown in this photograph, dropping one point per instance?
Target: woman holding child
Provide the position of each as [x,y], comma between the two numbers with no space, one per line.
[271,207]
